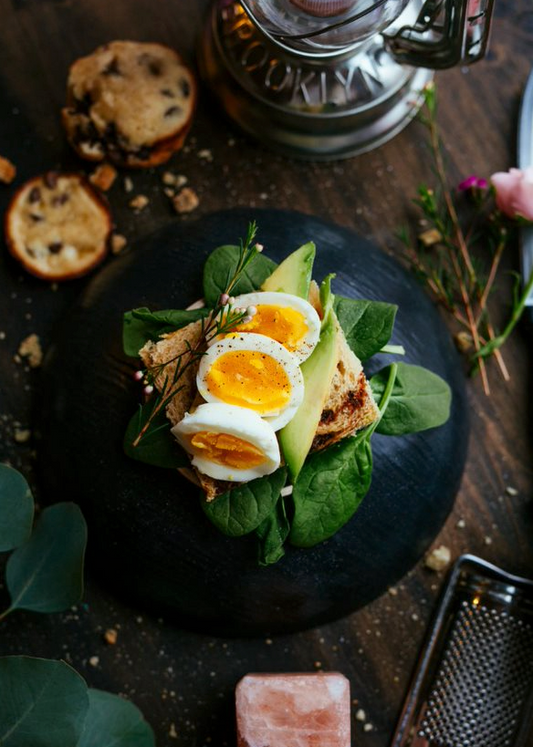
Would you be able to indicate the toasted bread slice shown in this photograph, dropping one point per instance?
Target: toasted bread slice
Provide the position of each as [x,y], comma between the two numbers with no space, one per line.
[349,407]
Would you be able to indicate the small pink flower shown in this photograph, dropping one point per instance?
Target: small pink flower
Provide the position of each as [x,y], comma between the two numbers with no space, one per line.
[514,192]
[472,182]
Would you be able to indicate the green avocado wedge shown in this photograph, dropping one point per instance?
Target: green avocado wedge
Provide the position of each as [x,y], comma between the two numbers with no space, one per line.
[297,436]
[293,275]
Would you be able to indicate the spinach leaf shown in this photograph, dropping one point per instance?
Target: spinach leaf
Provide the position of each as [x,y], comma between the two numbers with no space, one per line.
[46,573]
[333,482]
[420,400]
[243,509]
[367,325]
[114,722]
[43,704]
[329,489]
[157,446]
[220,267]
[16,509]
[141,325]
[272,533]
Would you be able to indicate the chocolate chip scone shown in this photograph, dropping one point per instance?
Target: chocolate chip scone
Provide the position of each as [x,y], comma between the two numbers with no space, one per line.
[129,102]
[58,226]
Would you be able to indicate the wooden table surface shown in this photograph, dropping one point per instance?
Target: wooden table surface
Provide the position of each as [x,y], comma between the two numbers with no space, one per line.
[184,682]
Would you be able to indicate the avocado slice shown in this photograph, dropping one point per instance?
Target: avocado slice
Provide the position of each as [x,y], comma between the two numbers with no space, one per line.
[293,275]
[297,436]
[326,297]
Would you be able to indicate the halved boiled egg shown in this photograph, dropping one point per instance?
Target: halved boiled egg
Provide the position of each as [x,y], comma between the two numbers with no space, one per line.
[289,320]
[228,442]
[254,372]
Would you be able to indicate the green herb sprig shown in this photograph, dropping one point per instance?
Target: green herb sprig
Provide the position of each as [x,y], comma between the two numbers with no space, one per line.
[458,258]
[221,320]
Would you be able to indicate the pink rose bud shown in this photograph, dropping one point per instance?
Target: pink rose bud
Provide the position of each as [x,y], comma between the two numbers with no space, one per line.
[138,375]
[514,192]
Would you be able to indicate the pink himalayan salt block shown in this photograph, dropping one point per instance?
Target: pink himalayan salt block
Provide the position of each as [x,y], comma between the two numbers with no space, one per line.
[293,710]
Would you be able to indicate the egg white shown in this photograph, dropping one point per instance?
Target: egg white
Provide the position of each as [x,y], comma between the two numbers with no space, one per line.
[250,341]
[285,300]
[234,421]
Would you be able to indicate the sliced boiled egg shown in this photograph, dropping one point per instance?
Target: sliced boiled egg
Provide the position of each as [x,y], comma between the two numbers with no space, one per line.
[255,372]
[289,320]
[228,442]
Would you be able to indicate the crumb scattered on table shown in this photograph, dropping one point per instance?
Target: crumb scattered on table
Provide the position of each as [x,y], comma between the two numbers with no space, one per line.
[439,558]
[360,715]
[22,435]
[111,636]
[139,202]
[103,176]
[511,491]
[186,201]
[30,348]
[128,184]
[205,155]
[8,170]
[118,243]
[94,661]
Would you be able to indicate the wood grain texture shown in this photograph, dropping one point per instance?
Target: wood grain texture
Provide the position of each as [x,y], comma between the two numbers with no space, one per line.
[182,678]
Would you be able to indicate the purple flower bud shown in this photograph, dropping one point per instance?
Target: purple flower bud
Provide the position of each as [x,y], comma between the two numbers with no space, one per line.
[224,298]
[251,311]
[259,248]
[138,375]
[148,389]
[472,182]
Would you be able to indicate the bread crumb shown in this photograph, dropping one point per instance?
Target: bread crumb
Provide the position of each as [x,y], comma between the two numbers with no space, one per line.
[169,192]
[30,348]
[8,171]
[128,184]
[414,617]
[139,202]
[430,237]
[511,491]
[118,242]
[393,591]
[103,176]
[360,715]
[94,661]
[186,201]
[111,636]
[439,558]
[172,733]
[2,335]
[463,342]
[488,540]
[22,435]
[205,155]
[367,727]
[461,524]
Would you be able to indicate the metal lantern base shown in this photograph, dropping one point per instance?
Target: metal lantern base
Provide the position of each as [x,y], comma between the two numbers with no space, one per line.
[320,110]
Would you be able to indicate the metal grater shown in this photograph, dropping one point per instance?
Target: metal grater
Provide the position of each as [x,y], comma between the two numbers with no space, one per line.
[473,686]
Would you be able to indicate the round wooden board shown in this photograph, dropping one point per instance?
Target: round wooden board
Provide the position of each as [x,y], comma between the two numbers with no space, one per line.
[148,536]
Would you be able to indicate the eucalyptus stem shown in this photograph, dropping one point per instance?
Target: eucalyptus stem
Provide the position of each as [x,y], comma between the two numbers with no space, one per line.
[5,613]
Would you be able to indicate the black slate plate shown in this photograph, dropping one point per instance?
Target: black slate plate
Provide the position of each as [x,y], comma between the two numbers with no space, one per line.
[148,535]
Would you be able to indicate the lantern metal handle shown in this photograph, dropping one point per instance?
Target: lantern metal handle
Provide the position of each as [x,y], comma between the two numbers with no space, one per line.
[446,33]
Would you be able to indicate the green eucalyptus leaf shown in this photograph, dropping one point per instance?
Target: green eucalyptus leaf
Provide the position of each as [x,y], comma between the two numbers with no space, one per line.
[141,325]
[157,446]
[220,268]
[330,488]
[43,703]
[272,533]
[114,722]
[243,509]
[46,573]
[367,325]
[420,400]
[16,509]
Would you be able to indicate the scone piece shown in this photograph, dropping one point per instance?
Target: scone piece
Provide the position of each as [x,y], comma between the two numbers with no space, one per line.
[350,405]
[129,102]
[58,226]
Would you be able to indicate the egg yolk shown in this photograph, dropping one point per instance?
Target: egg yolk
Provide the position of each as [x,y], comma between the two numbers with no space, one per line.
[282,323]
[228,450]
[251,379]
